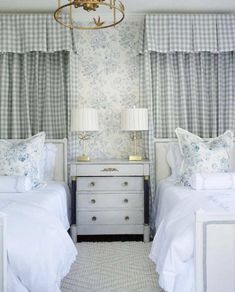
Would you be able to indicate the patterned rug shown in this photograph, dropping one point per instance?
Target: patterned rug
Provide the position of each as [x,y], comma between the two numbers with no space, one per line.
[112,267]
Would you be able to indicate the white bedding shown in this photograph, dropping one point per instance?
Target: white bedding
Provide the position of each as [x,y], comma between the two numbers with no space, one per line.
[40,251]
[173,245]
[168,195]
[54,197]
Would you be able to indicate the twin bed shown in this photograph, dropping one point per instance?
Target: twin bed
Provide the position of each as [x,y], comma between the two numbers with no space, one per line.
[36,251]
[194,247]
[195,233]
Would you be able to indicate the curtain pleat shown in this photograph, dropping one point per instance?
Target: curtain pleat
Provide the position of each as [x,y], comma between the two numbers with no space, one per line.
[195,91]
[24,33]
[189,33]
[34,94]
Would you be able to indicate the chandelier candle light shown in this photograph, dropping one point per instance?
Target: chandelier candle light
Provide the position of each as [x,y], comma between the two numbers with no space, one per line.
[135,119]
[84,120]
[116,9]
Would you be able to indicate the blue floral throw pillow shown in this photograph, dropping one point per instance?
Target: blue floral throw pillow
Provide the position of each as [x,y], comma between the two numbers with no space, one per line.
[200,156]
[22,157]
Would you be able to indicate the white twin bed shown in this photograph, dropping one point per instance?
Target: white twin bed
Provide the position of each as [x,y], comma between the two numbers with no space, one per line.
[194,247]
[36,251]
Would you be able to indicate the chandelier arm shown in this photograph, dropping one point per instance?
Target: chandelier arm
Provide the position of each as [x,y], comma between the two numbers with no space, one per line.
[114,10]
[70,12]
[72,26]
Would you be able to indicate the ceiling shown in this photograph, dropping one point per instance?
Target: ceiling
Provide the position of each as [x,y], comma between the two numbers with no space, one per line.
[132,6]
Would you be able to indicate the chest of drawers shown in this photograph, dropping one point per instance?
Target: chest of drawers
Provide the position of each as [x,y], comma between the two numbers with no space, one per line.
[112,197]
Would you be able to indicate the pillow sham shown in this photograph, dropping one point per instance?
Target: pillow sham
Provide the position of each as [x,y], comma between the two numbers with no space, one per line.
[22,158]
[201,156]
[47,163]
[213,181]
[15,184]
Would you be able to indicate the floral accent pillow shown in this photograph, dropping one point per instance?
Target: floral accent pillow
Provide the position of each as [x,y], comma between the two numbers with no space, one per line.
[18,158]
[200,156]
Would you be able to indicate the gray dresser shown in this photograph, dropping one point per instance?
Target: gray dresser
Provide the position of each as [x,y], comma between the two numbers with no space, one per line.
[112,197]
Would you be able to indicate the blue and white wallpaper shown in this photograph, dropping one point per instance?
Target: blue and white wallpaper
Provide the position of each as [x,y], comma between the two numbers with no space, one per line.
[107,78]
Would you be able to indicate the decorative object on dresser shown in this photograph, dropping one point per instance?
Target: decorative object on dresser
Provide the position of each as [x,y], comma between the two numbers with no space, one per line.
[135,119]
[84,120]
[112,197]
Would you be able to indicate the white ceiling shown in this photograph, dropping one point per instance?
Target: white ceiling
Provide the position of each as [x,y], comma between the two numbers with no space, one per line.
[132,6]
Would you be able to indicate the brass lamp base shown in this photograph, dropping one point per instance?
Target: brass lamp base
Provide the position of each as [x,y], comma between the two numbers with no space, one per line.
[135,158]
[83,158]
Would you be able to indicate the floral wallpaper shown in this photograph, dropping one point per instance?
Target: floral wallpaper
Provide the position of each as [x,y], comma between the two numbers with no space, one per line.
[107,78]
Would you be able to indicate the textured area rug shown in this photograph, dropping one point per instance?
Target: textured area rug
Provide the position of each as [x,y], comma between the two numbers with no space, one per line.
[112,267]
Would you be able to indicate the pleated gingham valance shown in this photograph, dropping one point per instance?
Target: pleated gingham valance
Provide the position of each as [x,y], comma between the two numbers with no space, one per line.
[189,33]
[22,33]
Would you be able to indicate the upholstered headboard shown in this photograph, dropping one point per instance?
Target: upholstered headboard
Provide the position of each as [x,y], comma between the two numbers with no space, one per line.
[61,159]
[162,167]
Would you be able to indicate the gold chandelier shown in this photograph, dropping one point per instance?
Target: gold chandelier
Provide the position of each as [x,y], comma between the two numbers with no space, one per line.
[117,13]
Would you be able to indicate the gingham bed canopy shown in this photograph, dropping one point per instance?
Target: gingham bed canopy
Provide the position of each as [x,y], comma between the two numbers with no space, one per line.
[24,33]
[191,33]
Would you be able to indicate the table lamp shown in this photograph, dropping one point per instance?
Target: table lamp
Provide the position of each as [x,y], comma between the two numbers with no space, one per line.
[84,120]
[135,119]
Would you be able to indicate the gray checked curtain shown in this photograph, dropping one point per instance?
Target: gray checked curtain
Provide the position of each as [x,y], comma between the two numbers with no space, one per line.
[35,89]
[187,75]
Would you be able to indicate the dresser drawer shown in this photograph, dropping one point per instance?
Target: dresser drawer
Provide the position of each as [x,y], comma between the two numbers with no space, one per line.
[108,170]
[95,229]
[110,184]
[119,200]
[110,217]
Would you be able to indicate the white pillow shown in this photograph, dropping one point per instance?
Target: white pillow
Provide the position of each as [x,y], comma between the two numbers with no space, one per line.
[213,181]
[47,164]
[15,184]
[22,158]
[200,156]
[174,159]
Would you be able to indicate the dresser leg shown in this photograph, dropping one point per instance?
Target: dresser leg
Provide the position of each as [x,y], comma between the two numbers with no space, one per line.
[146,233]
[73,231]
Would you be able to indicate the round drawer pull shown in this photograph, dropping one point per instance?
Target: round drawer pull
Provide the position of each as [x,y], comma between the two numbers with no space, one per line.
[125,183]
[93,201]
[125,200]
[92,184]
[93,218]
[127,218]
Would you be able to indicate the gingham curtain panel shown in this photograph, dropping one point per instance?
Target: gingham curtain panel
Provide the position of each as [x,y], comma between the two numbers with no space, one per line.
[190,33]
[34,94]
[22,33]
[182,87]
[36,65]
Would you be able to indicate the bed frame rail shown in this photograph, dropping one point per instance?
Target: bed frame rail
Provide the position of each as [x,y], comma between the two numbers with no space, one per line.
[215,252]
[3,254]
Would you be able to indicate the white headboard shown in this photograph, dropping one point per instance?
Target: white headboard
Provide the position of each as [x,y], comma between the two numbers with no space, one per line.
[162,167]
[61,159]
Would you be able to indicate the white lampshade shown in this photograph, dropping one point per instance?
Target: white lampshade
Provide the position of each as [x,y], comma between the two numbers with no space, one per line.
[84,119]
[134,119]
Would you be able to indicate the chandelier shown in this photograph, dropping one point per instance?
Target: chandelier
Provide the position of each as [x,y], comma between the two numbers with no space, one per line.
[116,10]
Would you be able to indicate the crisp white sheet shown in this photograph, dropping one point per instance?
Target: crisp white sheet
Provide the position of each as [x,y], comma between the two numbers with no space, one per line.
[40,251]
[54,197]
[168,195]
[15,184]
[173,245]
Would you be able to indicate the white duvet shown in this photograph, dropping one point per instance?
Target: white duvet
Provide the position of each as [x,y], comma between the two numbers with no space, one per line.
[39,249]
[173,245]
